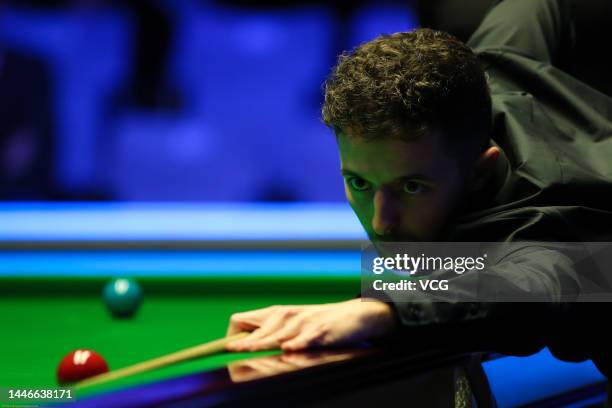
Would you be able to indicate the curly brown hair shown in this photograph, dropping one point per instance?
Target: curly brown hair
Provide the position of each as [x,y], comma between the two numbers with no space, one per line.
[408,84]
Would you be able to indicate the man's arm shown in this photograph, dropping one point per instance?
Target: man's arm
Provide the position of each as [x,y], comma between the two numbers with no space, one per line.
[517,327]
[515,306]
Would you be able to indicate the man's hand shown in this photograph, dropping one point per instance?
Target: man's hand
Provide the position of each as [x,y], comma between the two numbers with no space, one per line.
[300,327]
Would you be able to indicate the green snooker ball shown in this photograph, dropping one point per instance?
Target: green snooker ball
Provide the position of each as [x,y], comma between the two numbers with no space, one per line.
[122,297]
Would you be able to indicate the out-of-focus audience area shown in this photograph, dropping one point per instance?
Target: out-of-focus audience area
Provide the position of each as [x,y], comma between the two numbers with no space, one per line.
[183,100]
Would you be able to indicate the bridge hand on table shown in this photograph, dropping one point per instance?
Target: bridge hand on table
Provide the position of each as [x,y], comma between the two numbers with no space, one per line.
[299,327]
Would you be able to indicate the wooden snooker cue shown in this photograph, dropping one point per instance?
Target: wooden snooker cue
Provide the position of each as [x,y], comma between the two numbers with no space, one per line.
[201,350]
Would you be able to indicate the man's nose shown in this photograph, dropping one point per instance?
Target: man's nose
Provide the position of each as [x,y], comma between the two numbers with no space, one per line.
[386,214]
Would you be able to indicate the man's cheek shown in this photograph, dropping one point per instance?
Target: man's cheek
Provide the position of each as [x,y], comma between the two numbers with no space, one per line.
[432,219]
[351,200]
[361,210]
[349,195]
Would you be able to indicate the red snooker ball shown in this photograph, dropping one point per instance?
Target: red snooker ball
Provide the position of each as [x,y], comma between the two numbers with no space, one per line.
[80,364]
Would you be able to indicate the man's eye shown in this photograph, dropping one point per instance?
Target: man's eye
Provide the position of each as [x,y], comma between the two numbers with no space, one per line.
[358,184]
[413,187]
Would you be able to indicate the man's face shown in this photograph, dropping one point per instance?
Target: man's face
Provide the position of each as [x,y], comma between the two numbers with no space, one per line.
[401,190]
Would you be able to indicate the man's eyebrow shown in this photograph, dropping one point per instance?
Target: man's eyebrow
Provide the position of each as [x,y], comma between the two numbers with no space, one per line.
[346,172]
[415,176]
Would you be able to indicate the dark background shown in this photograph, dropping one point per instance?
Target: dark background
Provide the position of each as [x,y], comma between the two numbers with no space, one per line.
[193,100]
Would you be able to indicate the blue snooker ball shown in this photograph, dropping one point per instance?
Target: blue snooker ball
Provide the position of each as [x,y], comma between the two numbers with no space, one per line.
[122,297]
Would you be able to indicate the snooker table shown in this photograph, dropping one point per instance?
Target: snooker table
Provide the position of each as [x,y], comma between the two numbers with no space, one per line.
[52,270]
[176,313]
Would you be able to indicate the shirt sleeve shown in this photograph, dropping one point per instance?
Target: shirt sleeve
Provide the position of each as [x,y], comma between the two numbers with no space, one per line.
[539,29]
[533,287]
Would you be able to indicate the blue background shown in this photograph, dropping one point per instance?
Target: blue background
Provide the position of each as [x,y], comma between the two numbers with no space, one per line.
[249,79]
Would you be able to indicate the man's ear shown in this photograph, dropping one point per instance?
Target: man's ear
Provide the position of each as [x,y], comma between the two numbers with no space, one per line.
[483,169]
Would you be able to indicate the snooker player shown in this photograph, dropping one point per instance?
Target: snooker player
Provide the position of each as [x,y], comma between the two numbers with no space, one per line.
[492,141]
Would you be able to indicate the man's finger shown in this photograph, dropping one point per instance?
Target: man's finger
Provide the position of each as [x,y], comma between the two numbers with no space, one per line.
[310,337]
[274,323]
[248,321]
[238,325]
[268,328]
[291,329]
